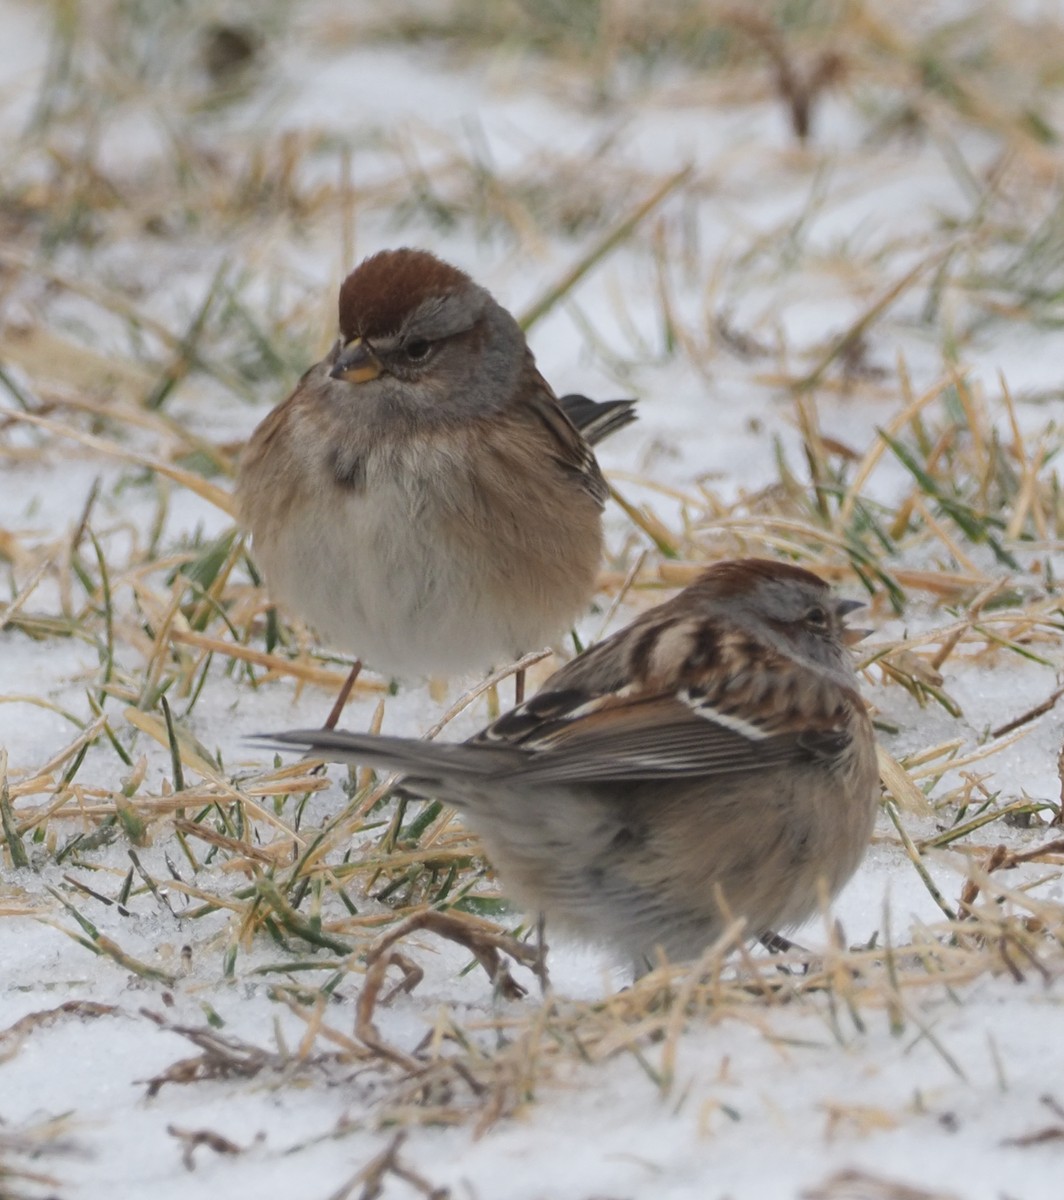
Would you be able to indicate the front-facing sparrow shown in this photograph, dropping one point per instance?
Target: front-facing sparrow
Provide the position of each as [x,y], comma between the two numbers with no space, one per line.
[712,758]
[422,498]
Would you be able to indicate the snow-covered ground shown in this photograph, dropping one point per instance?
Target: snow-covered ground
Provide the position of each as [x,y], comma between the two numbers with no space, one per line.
[939,1074]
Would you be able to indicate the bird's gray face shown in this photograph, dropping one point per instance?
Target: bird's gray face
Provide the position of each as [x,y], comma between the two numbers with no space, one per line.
[449,357]
[809,619]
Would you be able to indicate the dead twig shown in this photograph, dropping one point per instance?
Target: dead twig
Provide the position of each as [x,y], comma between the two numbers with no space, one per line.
[797,88]
[1038,711]
[222,1058]
[486,944]
[371,1176]
[14,1035]
[191,1139]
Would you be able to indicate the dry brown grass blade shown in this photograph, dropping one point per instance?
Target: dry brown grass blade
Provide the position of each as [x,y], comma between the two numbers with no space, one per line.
[879,446]
[900,786]
[277,666]
[44,354]
[195,483]
[25,592]
[858,328]
[155,728]
[613,238]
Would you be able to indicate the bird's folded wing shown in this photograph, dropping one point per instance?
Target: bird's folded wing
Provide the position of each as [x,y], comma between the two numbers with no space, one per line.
[568,447]
[689,734]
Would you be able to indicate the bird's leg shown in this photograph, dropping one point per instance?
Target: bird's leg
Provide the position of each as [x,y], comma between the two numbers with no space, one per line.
[776,943]
[539,967]
[519,687]
[344,696]
[642,965]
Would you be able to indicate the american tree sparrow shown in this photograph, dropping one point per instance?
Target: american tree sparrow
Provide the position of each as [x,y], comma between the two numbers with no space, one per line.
[712,758]
[423,499]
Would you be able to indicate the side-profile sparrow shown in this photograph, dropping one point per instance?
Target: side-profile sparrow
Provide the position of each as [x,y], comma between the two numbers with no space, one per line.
[712,758]
[422,498]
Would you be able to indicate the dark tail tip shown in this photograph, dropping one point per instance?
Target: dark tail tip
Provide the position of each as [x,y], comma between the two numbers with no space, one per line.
[597,419]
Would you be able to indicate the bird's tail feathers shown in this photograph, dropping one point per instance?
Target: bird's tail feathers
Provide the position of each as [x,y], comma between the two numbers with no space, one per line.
[430,761]
[597,419]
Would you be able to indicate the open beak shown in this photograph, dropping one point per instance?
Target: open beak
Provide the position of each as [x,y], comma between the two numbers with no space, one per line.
[357,363]
[851,636]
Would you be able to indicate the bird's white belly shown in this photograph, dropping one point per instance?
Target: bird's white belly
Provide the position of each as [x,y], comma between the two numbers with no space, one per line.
[375,576]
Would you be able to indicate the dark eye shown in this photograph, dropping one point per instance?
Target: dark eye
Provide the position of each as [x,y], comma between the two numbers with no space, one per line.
[817,617]
[417,349]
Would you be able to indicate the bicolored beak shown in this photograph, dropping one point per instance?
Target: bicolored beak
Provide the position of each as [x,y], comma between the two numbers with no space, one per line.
[851,636]
[357,363]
